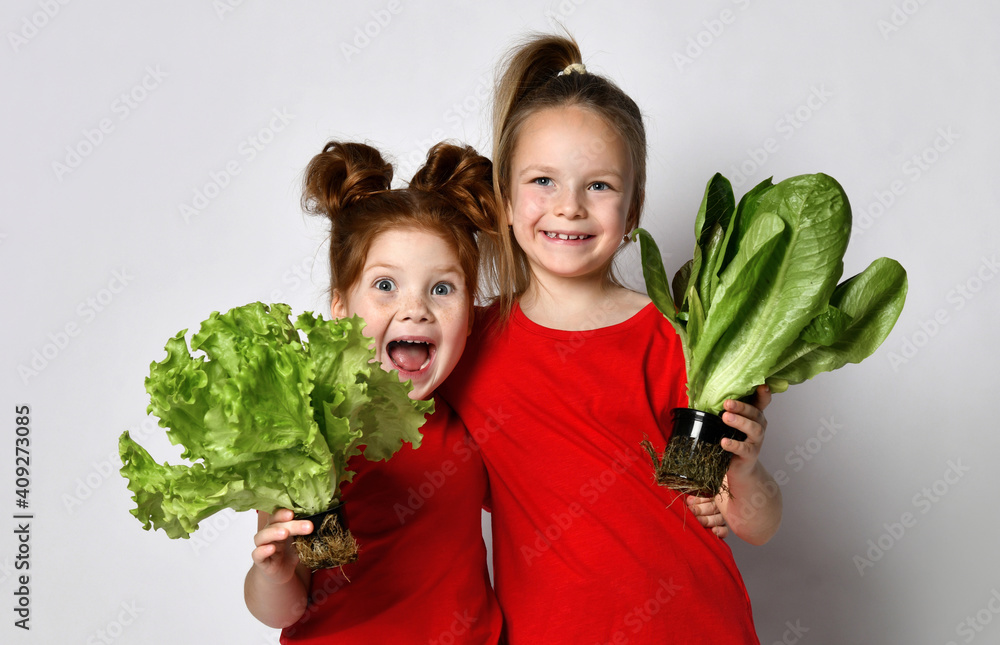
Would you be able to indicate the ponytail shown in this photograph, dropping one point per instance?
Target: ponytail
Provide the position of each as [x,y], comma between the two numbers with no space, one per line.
[528,67]
[545,72]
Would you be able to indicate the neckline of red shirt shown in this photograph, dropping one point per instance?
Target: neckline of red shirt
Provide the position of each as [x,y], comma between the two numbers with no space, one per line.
[521,319]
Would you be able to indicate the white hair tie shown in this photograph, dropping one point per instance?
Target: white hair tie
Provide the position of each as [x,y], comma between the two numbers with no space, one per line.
[579,68]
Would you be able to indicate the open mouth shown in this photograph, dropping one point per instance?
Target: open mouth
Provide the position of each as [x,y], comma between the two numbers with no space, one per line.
[566,236]
[410,355]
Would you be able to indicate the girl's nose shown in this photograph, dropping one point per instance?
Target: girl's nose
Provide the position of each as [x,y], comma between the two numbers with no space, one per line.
[569,204]
[416,309]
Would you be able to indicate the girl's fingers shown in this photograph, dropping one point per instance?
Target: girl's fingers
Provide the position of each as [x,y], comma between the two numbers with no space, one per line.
[701,505]
[270,534]
[262,553]
[706,511]
[763,397]
[738,448]
[745,410]
[752,429]
[282,515]
[712,521]
[281,531]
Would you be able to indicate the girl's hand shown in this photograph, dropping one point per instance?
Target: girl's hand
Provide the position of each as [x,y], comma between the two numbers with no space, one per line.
[749,419]
[275,555]
[708,514]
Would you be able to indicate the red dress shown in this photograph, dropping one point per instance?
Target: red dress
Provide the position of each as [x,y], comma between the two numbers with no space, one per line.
[587,548]
[421,572]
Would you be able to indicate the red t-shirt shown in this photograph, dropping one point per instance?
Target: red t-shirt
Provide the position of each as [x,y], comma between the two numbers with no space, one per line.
[421,573]
[587,548]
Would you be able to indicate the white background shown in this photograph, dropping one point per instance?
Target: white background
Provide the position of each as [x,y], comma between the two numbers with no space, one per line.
[896,99]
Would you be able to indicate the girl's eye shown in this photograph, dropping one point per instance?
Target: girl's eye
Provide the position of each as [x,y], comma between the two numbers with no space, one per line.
[442,289]
[385,284]
[543,181]
[600,185]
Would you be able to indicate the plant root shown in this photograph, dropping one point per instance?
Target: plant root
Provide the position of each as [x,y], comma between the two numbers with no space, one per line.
[329,546]
[691,467]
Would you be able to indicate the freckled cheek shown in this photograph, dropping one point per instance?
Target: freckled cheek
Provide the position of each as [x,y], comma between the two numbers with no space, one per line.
[377,316]
[454,321]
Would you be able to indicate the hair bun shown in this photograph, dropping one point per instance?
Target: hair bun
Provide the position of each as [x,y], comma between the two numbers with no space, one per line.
[463,178]
[343,174]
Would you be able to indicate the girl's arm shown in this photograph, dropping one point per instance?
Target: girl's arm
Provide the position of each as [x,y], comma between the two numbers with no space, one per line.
[753,507]
[276,589]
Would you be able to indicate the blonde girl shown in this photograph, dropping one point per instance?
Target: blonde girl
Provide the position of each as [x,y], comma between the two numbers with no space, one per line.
[569,370]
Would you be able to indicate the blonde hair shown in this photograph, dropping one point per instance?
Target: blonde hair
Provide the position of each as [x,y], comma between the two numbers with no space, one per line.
[536,75]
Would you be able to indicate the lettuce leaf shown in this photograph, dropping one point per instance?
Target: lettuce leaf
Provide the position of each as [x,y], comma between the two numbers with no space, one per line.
[759,302]
[268,419]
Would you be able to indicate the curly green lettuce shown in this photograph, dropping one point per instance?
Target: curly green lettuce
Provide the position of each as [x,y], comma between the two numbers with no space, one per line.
[267,419]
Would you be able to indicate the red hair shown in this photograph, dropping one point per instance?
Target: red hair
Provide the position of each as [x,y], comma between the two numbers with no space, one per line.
[451,195]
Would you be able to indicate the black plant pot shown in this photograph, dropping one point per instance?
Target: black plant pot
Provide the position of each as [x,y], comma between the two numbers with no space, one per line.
[694,461]
[317,519]
[330,544]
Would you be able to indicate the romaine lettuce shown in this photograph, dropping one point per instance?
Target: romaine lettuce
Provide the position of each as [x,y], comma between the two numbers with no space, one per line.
[759,302]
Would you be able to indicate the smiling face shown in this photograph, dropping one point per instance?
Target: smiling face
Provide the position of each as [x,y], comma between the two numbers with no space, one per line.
[571,185]
[413,297]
